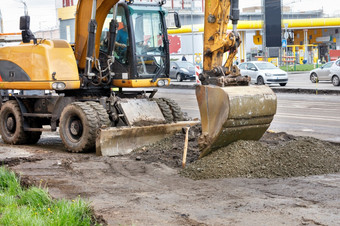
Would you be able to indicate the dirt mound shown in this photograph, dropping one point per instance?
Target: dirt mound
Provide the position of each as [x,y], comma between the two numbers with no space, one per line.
[169,151]
[298,157]
[275,155]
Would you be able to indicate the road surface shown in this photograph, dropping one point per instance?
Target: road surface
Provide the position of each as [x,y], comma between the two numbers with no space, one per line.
[299,114]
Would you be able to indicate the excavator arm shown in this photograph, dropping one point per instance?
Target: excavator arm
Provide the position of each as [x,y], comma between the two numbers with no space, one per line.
[218,41]
[230,108]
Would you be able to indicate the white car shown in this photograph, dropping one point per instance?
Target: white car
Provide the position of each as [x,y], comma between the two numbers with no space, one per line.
[335,73]
[262,73]
[321,73]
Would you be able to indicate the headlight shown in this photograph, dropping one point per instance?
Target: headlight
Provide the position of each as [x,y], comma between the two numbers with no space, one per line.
[58,86]
[268,74]
[185,70]
[166,82]
[161,83]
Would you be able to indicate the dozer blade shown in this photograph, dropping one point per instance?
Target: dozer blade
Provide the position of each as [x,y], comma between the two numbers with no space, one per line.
[115,141]
[233,113]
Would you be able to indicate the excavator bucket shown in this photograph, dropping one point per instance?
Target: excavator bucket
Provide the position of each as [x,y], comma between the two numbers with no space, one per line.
[233,113]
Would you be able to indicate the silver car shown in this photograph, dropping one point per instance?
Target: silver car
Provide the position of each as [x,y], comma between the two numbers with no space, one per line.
[321,73]
[182,70]
[262,73]
[335,73]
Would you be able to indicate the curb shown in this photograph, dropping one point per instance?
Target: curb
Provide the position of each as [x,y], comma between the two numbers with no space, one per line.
[276,90]
[306,91]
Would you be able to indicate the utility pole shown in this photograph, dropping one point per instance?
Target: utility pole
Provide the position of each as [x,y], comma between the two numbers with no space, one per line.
[192,32]
[1,24]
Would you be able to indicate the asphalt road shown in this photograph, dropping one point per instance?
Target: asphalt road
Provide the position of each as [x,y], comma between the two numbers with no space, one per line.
[298,114]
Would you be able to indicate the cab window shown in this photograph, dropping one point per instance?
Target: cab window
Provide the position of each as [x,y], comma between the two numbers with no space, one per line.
[122,37]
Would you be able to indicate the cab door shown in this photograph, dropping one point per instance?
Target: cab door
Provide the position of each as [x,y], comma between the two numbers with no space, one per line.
[325,71]
[252,72]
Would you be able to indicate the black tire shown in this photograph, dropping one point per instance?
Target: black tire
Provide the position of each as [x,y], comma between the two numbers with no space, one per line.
[176,110]
[283,84]
[166,111]
[102,115]
[314,78]
[78,127]
[260,80]
[179,78]
[335,80]
[11,124]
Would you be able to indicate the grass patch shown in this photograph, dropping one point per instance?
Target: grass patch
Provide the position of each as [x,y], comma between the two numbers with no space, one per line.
[299,67]
[34,206]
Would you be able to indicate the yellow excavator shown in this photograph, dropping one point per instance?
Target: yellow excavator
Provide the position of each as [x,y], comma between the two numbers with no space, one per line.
[85,88]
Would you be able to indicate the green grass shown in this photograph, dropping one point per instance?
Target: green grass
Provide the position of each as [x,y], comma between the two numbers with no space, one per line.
[299,67]
[34,206]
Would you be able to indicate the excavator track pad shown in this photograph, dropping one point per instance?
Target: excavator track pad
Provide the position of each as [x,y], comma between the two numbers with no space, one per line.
[233,113]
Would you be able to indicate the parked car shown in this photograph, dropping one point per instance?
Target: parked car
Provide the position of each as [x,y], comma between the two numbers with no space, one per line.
[182,70]
[321,73]
[262,73]
[335,73]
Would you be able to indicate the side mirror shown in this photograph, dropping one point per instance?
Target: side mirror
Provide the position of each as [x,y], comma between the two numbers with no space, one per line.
[173,21]
[24,23]
[252,69]
[177,20]
[174,67]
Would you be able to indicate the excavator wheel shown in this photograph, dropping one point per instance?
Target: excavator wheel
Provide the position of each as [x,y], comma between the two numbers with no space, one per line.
[11,124]
[102,115]
[165,108]
[176,110]
[78,127]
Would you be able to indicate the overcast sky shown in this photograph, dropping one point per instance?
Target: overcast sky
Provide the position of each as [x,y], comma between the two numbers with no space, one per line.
[43,12]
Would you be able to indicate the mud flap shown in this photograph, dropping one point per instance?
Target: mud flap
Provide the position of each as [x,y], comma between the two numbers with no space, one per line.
[233,113]
[116,141]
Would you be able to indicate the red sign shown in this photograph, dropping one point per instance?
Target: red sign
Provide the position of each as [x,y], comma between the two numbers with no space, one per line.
[67,3]
[175,43]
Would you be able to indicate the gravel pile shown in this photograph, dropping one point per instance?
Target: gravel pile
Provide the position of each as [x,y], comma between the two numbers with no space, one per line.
[253,159]
[275,155]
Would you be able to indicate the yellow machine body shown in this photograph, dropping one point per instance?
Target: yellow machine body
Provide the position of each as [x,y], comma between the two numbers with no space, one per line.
[37,67]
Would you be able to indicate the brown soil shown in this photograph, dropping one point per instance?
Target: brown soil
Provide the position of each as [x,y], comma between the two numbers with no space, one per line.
[275,155]
[145,188]
[169,151]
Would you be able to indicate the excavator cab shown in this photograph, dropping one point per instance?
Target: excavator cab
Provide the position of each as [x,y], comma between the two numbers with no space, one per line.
[130,45]
[140,50]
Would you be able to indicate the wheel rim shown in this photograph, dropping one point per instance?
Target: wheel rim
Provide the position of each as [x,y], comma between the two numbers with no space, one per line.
[10,124]
[74,129]
[313,77]
[178,78]
[260,81]
[335,80]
